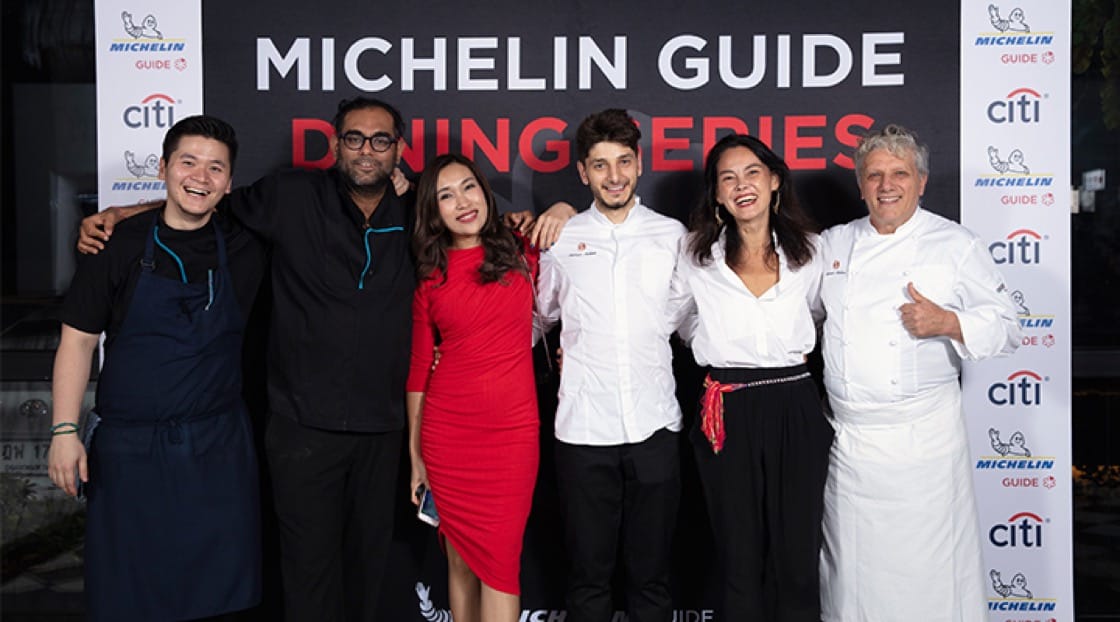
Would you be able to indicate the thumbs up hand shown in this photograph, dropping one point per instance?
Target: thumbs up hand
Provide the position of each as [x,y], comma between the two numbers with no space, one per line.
[923,318]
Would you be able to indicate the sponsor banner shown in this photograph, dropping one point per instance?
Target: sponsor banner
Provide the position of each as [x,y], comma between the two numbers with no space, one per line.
[149,75]
[1014,158]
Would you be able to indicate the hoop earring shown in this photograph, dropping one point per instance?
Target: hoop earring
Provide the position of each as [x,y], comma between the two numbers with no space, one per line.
[777,203]
[719,220]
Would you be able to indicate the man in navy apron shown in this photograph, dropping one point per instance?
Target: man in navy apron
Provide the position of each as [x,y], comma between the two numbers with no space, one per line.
[172,529]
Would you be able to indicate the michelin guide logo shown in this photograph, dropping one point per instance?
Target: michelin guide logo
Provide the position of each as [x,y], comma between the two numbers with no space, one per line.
[1014,594]
[429,613]
[1010,29]
[1030,321]
[1012,171]
[145,36]
[1013,454]
[146,174]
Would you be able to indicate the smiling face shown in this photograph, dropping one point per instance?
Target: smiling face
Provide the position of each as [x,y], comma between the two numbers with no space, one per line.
[890,186]
[366,170]
[611,170]
[462,205]
[745,186]
[197,175]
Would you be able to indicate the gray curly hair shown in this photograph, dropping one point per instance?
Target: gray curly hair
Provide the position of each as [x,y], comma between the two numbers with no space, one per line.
[899,141]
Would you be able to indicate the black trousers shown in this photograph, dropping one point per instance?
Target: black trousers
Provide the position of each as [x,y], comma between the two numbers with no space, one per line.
[334,494]
[628,493]
[765,495]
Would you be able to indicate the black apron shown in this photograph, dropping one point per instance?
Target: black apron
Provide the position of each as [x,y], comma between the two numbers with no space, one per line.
[173,522]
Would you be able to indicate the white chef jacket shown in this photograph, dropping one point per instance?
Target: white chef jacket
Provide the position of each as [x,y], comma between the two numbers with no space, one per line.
[900,526]
[869,355]
[735,328]
[617,293]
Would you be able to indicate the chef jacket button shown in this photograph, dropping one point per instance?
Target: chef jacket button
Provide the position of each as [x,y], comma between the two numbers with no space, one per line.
[893,342]
[893,381]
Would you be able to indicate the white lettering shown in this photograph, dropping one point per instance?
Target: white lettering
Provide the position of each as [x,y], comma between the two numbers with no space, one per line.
[469,63]
[410,64]
[513,74]
[354,54]
[698,66]
[614,72]
[809,46]
[298,56]
[872,58]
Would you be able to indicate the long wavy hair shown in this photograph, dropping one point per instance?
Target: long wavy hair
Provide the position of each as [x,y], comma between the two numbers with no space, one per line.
[431,238]
[790,226]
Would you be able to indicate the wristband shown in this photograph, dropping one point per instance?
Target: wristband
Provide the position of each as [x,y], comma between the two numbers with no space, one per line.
[66,427]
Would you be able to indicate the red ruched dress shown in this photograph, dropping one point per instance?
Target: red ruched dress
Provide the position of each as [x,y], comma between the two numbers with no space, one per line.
[479,424]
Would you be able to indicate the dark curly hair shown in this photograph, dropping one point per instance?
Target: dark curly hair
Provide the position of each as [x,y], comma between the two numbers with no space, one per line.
[502,251]
[790,226]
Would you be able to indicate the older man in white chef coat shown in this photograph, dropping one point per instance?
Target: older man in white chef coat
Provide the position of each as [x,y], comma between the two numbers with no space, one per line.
[908,294]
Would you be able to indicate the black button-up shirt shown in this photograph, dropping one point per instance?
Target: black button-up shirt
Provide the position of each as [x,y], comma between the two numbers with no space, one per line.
[341,300]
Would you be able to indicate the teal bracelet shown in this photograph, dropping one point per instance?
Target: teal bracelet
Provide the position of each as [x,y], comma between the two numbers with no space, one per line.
[65,427]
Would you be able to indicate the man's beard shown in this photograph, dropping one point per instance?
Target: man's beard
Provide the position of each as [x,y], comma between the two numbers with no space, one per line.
[373,187]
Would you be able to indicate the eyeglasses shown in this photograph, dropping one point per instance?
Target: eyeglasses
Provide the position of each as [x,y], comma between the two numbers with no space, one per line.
[378,142]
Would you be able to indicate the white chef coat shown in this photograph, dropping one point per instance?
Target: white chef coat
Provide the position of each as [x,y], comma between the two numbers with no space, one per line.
[616,291]
[901,534]
[869,355]
[735,328]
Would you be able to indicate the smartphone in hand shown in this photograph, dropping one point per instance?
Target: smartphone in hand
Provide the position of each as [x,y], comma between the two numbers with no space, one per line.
[427,509]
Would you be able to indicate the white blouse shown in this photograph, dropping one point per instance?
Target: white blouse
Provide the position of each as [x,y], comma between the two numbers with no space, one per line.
[735,328]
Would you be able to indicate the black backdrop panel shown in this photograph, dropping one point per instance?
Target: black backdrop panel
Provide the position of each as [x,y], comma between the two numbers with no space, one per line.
[512,83]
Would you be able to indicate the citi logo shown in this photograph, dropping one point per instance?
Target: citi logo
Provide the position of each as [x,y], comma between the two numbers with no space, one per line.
[1022,530]
[1022,105]
[1023,388]
[1021,246]
[155,110]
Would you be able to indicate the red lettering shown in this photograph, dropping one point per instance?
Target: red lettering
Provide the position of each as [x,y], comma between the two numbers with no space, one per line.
[795,142]
[413,153]
[661,144]
[497,152]
[713,124]
[560,148]
[845,136]
[300,129]
[443,136]
[766,130]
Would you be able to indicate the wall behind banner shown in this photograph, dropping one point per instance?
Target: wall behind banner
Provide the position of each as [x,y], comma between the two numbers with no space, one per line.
[508,86]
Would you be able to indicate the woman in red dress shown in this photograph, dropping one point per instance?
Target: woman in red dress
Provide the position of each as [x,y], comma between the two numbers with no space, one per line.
[473,422]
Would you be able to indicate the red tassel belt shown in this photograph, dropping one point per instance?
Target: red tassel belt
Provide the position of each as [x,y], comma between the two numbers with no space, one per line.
[711,404]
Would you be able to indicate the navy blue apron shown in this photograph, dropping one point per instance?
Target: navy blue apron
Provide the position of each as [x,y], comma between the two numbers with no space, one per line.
[173,519]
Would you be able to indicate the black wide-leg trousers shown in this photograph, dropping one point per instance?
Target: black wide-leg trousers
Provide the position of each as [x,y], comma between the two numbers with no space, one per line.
[764,493]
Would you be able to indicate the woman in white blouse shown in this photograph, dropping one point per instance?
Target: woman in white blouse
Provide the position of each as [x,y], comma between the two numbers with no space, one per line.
[762,441]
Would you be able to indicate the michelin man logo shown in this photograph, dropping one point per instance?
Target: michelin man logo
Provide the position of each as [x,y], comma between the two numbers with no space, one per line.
[1015,447]
[1020,301]
[150,167]
[1018,587]
[1013,164]
[146,29]
[1014,21]
[427,609]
